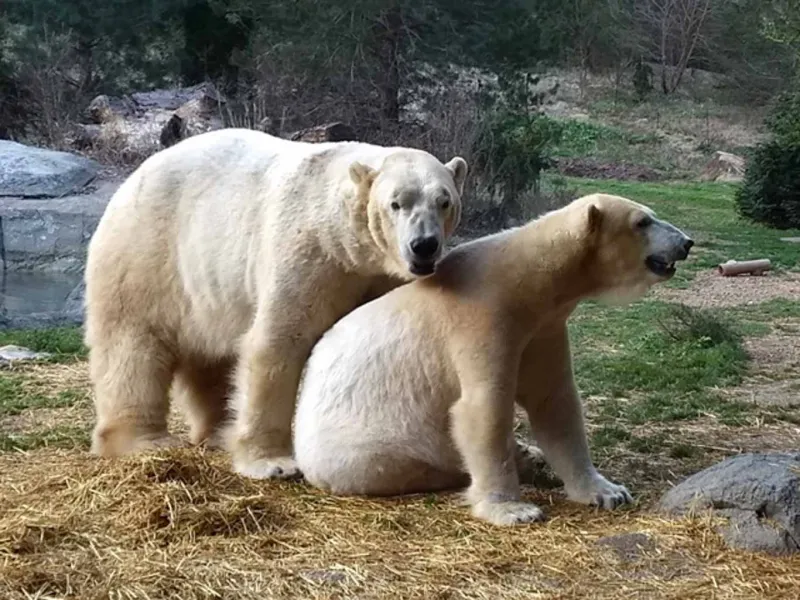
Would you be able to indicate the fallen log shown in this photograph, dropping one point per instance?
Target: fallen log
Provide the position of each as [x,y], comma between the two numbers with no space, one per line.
[732,268]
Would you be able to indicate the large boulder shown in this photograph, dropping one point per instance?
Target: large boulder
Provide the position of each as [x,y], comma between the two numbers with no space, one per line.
[51,234]
[29,172]
[759,493]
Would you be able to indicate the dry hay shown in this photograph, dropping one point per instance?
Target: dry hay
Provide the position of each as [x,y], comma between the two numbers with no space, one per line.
[180,525]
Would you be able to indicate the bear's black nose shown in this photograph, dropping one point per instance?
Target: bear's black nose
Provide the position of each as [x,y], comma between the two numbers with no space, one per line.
[424,247]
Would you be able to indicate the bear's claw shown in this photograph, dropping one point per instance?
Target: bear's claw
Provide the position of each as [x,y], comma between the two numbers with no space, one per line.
[283,467]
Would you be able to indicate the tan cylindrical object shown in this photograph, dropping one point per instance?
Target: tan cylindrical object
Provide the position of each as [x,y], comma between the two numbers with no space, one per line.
[754,267]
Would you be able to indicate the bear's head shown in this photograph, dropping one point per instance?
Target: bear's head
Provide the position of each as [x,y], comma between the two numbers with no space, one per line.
[413,205]
[629,248]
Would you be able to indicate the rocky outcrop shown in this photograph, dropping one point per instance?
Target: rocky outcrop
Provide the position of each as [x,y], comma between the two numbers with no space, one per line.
[145,122]
[51,233]
[759,493]
[29,172]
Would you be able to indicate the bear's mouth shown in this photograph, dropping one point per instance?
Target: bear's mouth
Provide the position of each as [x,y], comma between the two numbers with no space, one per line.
[660,267]
[421,268]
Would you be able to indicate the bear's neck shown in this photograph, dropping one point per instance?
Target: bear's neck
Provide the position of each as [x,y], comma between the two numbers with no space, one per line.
[356,250]
[551,266]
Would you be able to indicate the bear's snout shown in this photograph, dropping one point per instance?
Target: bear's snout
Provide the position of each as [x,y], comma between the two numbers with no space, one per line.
[424,248]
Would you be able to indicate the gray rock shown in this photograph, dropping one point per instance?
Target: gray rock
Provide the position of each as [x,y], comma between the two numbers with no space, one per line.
[18,353]
[760,493]
[73,306]
[172,99]
[51,234]
[28,172]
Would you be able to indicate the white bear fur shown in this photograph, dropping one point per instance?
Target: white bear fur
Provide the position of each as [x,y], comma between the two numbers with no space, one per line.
[219,263]
[415,391]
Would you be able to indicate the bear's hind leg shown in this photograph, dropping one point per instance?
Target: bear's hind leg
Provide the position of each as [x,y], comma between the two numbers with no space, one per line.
[131,374]
[202,391]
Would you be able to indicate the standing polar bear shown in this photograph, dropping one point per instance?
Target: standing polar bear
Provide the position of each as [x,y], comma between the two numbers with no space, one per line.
[224,258]
[415,391]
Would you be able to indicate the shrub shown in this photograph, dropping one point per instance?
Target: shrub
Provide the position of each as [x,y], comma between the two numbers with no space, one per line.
[512,149]
[770,192]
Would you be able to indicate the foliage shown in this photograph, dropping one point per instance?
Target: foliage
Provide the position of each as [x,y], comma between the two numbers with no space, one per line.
[515,148]
[770,192]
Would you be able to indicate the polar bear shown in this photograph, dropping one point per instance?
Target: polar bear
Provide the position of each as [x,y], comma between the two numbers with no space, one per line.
[415,391]
[221,260]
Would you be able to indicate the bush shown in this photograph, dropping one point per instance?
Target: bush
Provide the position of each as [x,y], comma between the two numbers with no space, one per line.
[512,149]
[770,192]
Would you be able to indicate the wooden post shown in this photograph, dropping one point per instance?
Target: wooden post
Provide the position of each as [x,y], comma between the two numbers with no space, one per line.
[733,268]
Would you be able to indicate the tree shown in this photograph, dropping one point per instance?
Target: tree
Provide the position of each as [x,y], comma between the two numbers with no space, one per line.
[678,30]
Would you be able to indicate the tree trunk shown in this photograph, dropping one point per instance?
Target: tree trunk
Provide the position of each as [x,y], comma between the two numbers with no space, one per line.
[389,33]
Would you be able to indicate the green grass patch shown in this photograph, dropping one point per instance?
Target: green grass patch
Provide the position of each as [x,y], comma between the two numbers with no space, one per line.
[613,144]
[654,361]
[62,342]
[585,138]
[15,397]
[57,437]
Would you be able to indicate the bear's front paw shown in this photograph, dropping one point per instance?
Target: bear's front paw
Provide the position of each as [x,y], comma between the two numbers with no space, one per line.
[602,493]
[279,467]
[507,513]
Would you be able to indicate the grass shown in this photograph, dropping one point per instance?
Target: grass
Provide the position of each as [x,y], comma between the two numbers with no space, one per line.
[64,343]
[610,143]
[63,436]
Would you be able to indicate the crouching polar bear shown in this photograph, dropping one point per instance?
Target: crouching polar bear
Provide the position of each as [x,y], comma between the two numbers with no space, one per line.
[415,391]
[226,257]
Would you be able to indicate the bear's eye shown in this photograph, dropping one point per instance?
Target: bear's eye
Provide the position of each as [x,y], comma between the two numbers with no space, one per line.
[446,204]
[395,206]
[644,222]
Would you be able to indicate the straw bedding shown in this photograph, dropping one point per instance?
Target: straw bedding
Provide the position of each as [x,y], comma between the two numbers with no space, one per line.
[181,525]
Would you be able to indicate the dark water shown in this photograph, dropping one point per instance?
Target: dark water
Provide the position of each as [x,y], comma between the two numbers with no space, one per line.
[30,296]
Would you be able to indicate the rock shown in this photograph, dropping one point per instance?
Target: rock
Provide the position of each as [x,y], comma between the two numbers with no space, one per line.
[330,132]
[174,98]
[724,166]
[18,353]
[28,172]
[196,116]
[51,234]
[760,493]
[73,305]
[105,109]
[143,123]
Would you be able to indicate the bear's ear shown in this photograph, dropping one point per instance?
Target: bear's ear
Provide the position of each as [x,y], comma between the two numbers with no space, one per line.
[594,218]
[362,174]
[458,169]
